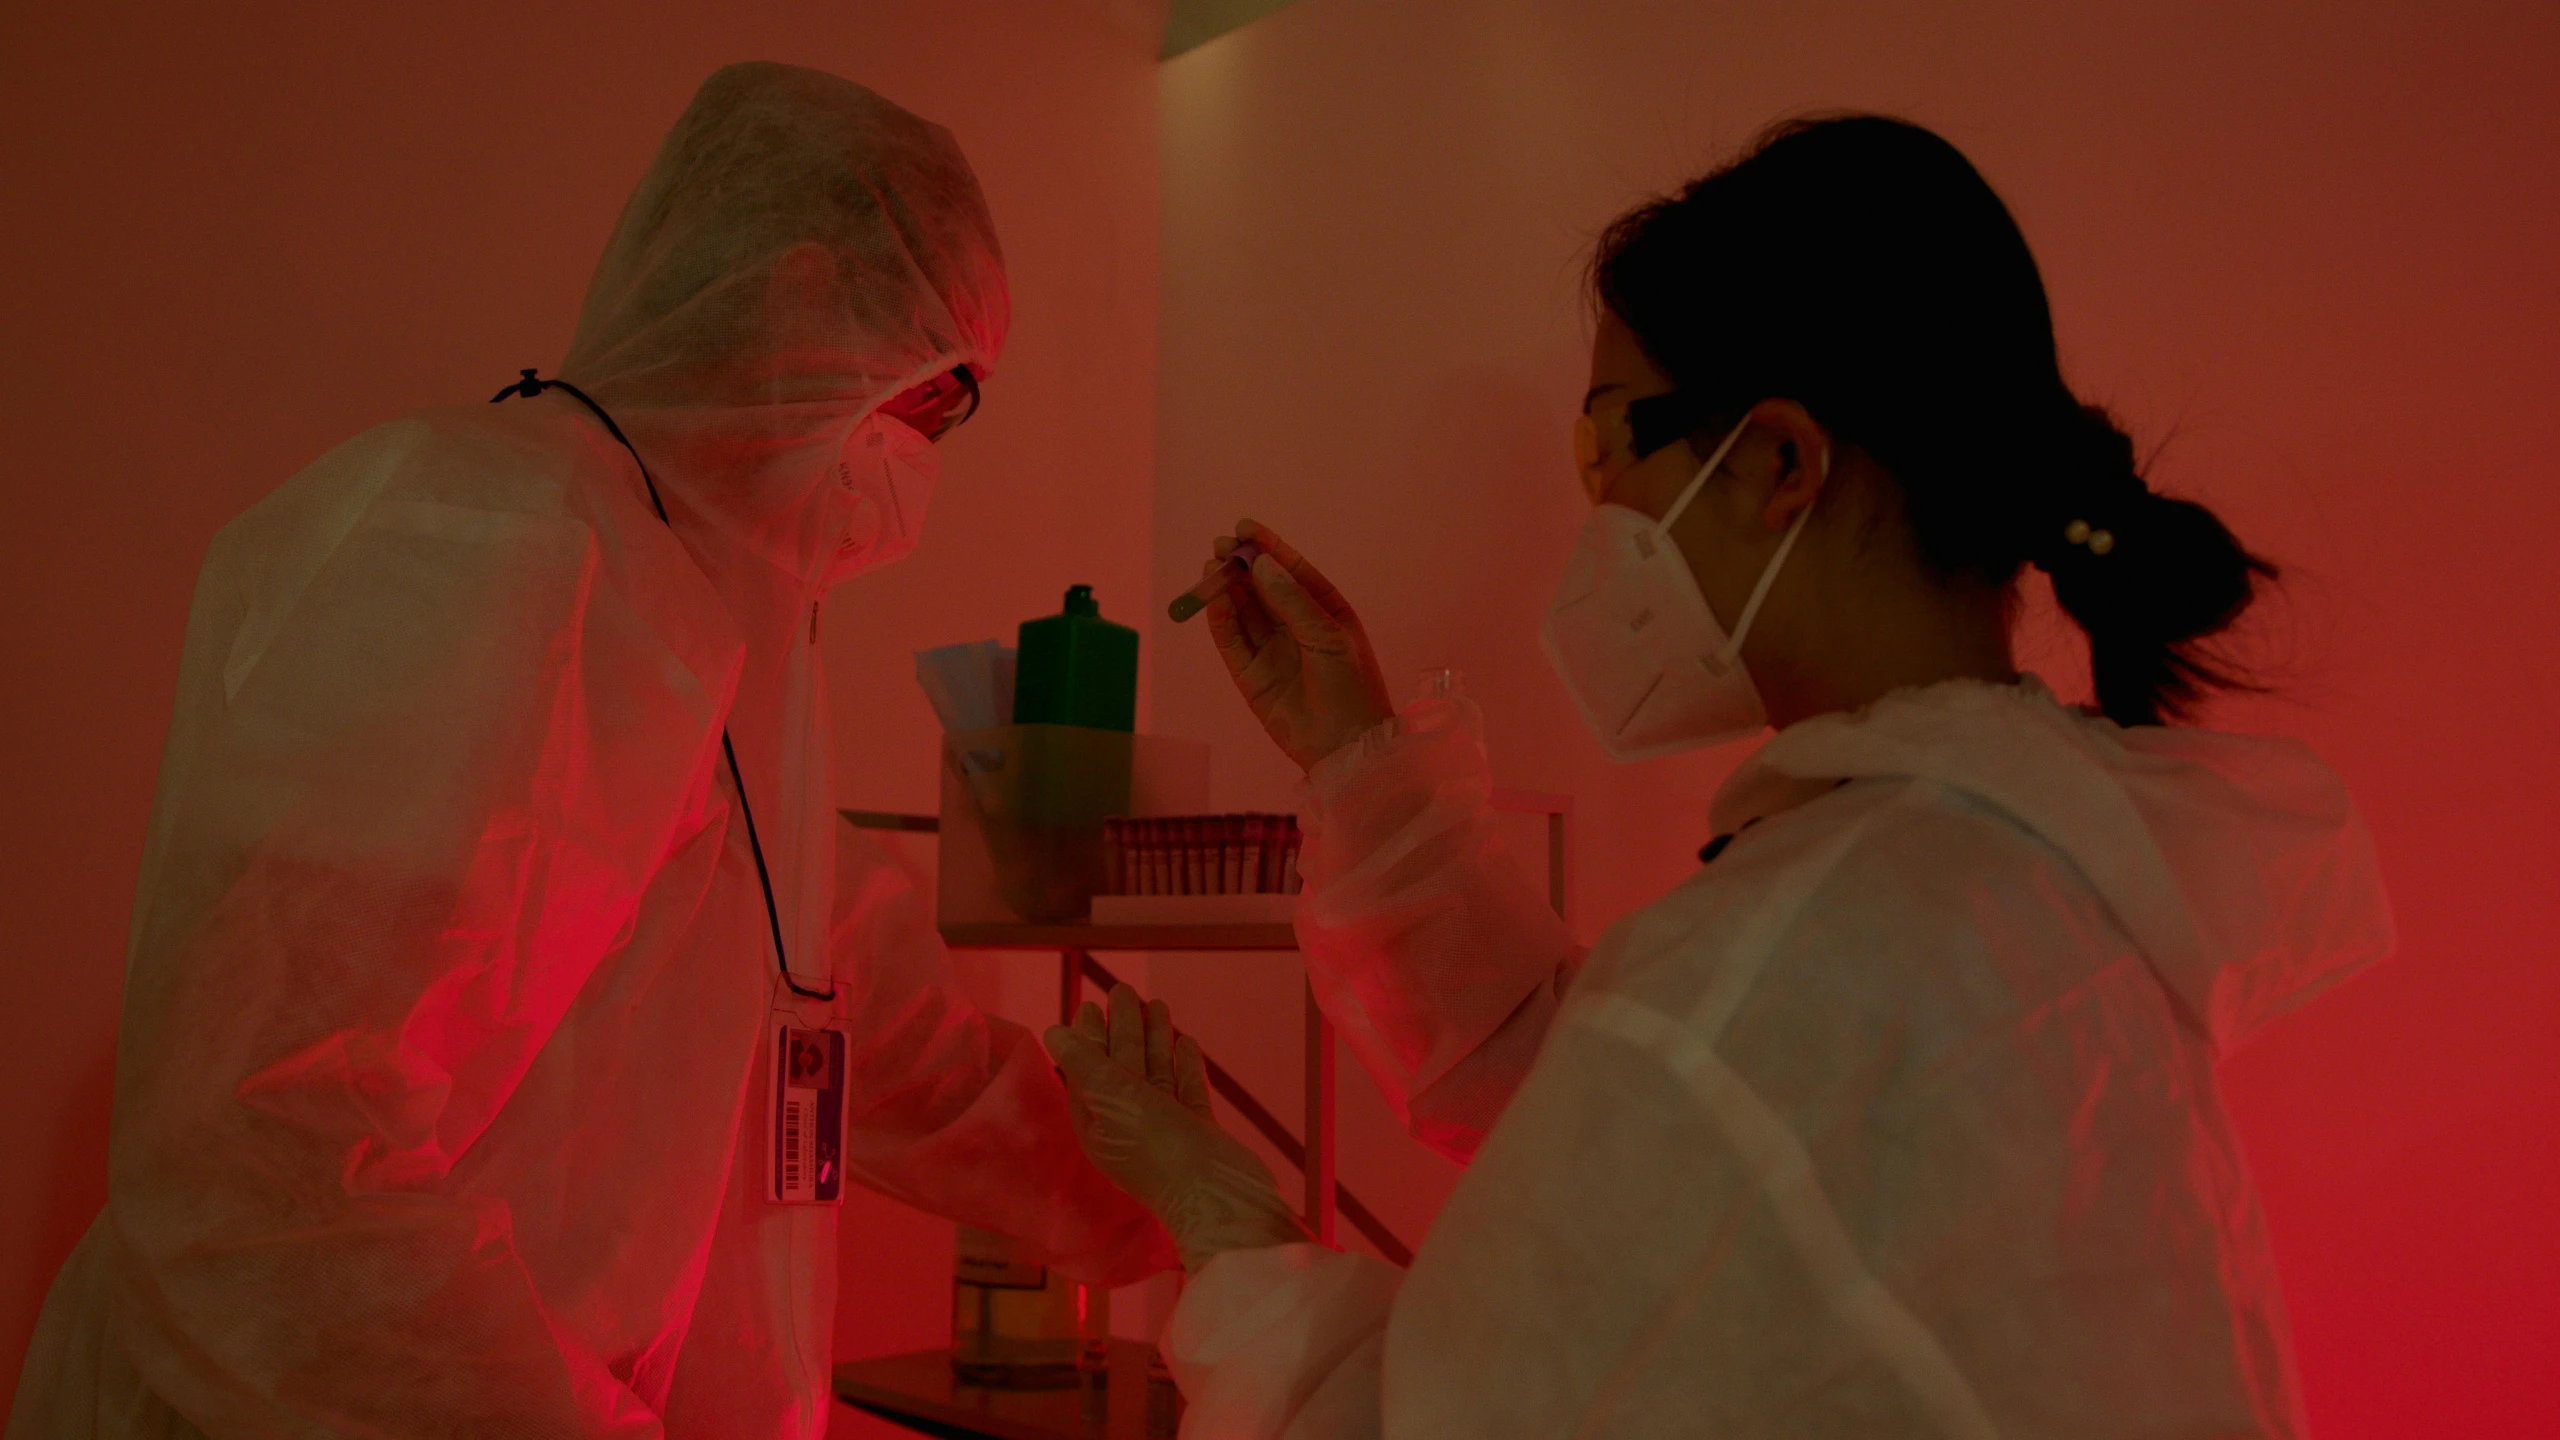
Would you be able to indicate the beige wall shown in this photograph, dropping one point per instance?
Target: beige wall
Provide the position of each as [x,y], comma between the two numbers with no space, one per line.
[2312,243]
[239,234]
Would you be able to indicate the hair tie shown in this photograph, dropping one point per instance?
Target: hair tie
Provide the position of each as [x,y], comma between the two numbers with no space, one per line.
[2094,540]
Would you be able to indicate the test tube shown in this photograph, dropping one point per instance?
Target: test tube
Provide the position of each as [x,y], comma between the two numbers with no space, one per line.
[1192,601]
[1440,682]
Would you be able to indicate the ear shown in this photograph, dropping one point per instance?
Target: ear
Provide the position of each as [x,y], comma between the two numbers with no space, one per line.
[1804,460]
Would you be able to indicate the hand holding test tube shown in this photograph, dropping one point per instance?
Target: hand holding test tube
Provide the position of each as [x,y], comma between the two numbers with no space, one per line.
[1228,569]
[1291,642]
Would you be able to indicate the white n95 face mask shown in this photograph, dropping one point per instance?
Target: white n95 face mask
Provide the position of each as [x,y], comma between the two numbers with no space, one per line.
[890,469]
[1634,642]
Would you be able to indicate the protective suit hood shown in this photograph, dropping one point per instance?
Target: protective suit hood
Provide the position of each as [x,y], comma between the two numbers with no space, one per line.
[2152,816]
[895,272]
[800,251]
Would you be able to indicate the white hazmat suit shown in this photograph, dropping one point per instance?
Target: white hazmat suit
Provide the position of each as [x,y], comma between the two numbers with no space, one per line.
[437,1094]
[1898,1119]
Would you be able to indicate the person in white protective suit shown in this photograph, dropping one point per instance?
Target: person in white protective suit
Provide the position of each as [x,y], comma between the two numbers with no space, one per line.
[1900,1116]
[446,1083]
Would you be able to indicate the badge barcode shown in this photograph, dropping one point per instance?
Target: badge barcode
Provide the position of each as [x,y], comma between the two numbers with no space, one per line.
[792,1144]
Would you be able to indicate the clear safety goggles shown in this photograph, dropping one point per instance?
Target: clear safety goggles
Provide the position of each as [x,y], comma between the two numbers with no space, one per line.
[937,406]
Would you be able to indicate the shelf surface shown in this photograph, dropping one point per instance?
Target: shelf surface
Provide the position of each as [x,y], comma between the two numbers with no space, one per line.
[1120,937]
[919,1391]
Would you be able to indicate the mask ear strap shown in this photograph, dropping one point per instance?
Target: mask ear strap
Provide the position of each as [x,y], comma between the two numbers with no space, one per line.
[1760,592]
[1699,480]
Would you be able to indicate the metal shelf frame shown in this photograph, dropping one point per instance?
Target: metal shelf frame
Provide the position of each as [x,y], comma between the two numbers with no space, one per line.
[1324,1197]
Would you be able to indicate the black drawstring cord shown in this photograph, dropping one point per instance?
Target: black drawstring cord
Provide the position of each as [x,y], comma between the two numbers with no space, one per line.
[529,387]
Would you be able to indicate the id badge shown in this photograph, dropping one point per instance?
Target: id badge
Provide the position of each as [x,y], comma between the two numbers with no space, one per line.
[804,1113]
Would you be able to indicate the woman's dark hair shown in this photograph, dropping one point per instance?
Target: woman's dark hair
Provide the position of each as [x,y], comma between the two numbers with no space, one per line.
[1861,267]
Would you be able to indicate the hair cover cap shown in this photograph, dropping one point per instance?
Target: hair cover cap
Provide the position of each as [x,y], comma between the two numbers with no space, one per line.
[893,272]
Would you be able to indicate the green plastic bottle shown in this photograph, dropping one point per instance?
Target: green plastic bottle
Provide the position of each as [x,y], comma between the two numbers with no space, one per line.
[1076,668]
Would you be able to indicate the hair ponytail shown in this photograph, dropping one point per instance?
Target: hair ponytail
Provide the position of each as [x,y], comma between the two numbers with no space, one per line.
[2148,577]
[1861,267]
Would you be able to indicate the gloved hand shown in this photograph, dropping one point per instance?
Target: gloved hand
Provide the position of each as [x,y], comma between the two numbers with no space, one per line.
[1141,1107]
[1298,654]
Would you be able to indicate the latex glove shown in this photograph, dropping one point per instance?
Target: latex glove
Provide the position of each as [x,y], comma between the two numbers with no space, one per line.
[1296,651]
[1140,1098]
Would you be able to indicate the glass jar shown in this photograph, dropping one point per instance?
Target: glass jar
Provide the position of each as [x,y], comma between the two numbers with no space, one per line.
[1017,1324]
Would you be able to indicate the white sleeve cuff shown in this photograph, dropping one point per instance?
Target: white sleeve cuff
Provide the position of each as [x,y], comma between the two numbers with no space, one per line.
[1259,1333]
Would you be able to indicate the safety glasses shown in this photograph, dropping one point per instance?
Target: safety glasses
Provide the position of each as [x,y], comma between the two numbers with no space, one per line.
[938,406]
[1638,427]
